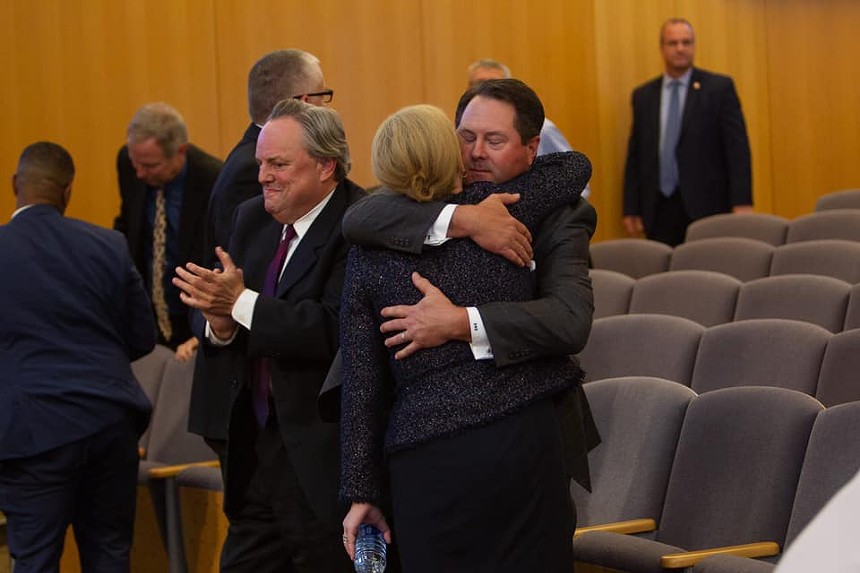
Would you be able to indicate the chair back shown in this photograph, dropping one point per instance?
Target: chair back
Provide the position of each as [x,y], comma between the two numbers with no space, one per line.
[809,298]
[705,297]
[844,199]
[612,292]
[832,459]
[170,442]
[655,345]
[760,352]
[759,226]
[830,224]
[632,257]
[149,372]
[839,380]
[736,467]
[744,259]
[639,420]
[828,257]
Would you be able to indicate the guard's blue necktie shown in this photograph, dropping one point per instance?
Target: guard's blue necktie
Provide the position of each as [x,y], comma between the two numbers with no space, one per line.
[262,376]
[668,163]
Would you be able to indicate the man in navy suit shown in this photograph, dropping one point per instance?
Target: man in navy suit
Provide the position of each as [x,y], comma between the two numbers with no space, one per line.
[271,324]
[277,75]
[75,313]
[688,155]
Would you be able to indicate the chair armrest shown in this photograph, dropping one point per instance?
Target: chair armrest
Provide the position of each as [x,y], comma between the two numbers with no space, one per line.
[625,527]
[165,472]
[690,558]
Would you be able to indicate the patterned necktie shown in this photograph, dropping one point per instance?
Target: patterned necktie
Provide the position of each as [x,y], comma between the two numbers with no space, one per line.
[159,243]
[668,163]
[262,377]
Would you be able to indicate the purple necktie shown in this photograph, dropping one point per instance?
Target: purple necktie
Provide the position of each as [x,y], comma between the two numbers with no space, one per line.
[262,378]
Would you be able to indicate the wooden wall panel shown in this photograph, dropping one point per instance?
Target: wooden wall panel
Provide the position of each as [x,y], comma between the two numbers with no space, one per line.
[815,97]
[78,69]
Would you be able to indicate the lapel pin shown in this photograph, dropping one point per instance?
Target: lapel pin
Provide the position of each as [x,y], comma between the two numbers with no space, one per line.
[696,85]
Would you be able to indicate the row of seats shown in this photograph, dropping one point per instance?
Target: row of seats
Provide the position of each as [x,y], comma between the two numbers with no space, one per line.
[776,230]
[843,199]
[742,466]
[763,352]
[745,259]
[712,298]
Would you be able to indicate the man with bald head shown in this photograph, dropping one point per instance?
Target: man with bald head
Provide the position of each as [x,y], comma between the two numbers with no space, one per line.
[75,314]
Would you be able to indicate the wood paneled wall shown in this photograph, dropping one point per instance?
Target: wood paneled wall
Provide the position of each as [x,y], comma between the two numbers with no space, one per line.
[76,70]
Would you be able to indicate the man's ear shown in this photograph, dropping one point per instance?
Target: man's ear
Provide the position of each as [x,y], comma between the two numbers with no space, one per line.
[326,168]
[14,187]
[532,147]
[67,196]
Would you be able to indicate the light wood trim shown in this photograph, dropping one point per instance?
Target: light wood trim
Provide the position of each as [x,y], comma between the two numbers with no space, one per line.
[690,558]
[141,453]
[625,527]
[172,471]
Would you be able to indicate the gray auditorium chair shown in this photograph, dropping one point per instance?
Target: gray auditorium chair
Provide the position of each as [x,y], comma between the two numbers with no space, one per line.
[832,459]
[852,315]
[705,297]
[656,345]
[639,420]
[844,199]
[828,257]
[632,257]
[733,482]
[830,224]
[839,380]
[744,259]
[759,226]
[612,292]
[171,446]
[809,298]
[760,352]
[149,372]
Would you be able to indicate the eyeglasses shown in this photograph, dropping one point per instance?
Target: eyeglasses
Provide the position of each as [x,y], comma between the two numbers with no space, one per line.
[327,95]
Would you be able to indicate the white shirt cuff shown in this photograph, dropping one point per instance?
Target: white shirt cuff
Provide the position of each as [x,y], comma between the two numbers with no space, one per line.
[438,233]
[215,341]
[480,344]
[243,309]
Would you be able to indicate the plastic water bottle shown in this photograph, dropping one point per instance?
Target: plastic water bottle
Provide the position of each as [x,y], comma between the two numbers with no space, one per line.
[370,550]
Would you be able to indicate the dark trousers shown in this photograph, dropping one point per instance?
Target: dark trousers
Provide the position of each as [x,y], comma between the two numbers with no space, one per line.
[90,484]
[493,499]
[670,220]
[275,530]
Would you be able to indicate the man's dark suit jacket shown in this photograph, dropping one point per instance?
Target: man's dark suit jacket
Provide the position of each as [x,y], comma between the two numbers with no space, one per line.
[713,152]
[133,221]
[237,182]
[75,314]
[298,331]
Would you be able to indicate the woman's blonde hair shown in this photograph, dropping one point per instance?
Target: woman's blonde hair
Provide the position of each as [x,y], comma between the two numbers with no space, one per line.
[416,152]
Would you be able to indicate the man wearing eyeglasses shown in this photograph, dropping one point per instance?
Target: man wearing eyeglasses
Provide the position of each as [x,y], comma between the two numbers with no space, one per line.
[276,76]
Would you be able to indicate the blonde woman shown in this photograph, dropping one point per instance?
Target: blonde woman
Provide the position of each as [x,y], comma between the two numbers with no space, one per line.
[468,455]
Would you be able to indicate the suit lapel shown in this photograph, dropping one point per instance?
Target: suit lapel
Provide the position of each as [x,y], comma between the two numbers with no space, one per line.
[319,234]
[692,101]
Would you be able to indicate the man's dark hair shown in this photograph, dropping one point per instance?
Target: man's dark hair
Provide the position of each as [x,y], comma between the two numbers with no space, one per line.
[528,110]
[46,164]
